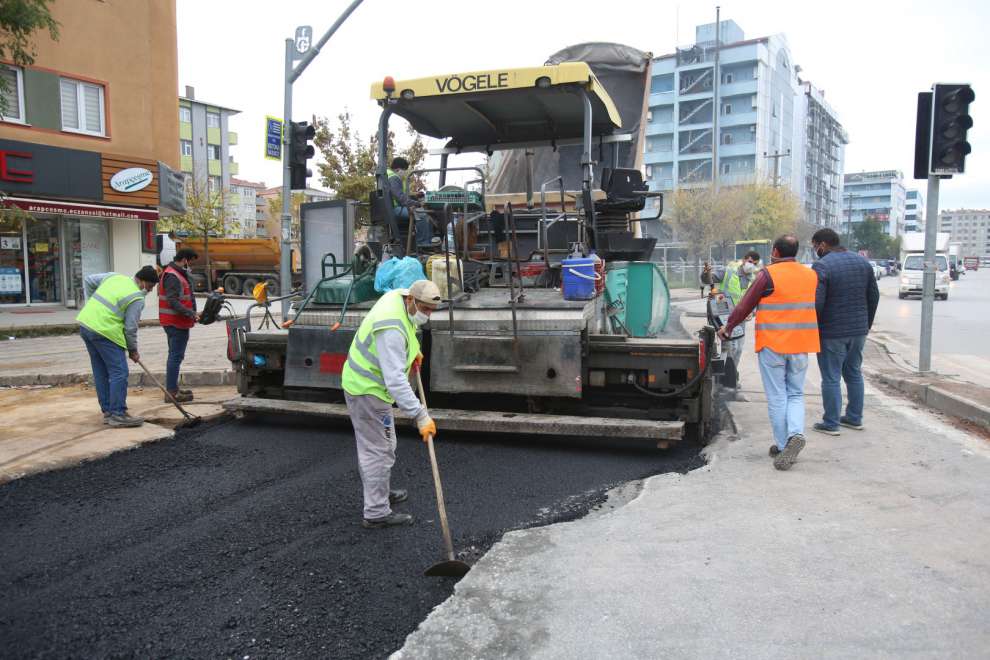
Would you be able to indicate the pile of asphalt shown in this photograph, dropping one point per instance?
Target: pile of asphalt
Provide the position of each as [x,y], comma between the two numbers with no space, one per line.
[244,539]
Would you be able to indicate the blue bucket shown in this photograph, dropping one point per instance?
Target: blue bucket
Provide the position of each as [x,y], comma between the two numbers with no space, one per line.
[579,278]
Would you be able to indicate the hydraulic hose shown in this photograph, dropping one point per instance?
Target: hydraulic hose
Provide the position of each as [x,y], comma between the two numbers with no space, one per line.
[683,388]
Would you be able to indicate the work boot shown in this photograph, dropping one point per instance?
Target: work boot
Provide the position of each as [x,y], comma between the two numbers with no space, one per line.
[180,396]
[106,418]
[774,450]
[391,520]
[827,430]
[125,421]
[397,495]
[785,459]
[844,421]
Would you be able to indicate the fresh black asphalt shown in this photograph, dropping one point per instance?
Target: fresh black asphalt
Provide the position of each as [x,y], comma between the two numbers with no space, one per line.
[244,539]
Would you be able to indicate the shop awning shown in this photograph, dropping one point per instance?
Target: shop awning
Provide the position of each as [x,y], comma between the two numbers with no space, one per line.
[79,209]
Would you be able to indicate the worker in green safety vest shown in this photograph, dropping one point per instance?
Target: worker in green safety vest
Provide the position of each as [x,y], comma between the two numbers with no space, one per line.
[375,376]
[732,281]
[406,203]
[108,326]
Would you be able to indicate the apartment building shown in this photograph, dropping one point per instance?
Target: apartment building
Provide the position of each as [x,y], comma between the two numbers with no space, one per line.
[88,149]
[970,228]
[914,211]
[244,209]
[879,196]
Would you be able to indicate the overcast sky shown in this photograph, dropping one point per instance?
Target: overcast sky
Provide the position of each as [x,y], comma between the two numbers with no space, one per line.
[871,57]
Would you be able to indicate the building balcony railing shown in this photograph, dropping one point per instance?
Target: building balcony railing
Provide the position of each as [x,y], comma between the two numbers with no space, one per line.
[662,98]
[739,88]
[659,156]
[737,119]
[660,128]
[737,149]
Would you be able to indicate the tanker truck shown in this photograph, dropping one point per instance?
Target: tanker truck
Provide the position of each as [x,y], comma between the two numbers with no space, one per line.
[238,264]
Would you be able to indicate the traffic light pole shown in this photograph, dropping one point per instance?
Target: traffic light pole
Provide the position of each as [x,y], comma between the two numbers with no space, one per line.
[928,281]
[285,263]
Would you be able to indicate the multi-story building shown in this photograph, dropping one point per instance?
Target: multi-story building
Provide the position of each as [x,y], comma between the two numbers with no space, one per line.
[85,133]
[272,221]
[914,211]
[823,152]
[879,196]
[205,140]
[243,209]
[771,126]
[970,228]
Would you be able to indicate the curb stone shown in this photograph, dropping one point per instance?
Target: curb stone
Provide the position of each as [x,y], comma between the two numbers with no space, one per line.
[136,379]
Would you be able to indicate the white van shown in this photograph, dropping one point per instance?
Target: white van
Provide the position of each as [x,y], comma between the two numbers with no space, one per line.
[913,271]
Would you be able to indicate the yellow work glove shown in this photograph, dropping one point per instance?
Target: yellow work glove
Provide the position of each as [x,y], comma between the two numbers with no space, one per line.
[427,427]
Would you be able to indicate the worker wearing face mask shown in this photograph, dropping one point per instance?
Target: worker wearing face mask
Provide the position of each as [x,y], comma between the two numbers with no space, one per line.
[733,281]
[375,376]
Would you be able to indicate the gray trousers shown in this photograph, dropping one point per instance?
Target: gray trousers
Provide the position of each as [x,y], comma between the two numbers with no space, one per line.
[374,433]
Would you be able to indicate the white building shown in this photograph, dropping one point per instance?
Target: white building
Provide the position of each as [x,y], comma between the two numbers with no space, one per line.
[914,211]
[968,227]
[879,196]
[772,127]
[242,208]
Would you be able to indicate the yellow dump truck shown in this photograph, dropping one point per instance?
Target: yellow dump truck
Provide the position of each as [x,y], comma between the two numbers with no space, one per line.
[238,264]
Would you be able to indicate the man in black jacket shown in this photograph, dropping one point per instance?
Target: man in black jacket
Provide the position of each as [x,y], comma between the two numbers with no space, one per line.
[846,302]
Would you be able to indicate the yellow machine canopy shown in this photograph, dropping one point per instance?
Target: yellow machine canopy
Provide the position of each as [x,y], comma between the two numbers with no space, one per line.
[483,110]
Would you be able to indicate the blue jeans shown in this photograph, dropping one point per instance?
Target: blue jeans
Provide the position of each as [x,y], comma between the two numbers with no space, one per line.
[842,357]
[109,362]
[424,228]
[783,382]
[177,340]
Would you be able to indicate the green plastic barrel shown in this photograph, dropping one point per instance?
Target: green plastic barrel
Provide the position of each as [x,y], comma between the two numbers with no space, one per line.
[637,297]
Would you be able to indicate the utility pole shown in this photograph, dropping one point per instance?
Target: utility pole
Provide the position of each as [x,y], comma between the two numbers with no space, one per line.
[716,80]
[776,156]
[306,56]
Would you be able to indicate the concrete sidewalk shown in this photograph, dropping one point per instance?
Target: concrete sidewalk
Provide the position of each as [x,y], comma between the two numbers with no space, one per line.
[63,360]
[872,545]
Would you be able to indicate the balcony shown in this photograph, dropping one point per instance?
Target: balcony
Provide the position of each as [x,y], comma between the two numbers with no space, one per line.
[185,130]
[738,119]
[233,168]
[739,88]
[662,98]
[660,128]
[665,156]
[737,149]
[231,138]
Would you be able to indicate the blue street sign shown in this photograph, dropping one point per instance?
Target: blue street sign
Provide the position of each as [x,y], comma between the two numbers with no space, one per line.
[273,138]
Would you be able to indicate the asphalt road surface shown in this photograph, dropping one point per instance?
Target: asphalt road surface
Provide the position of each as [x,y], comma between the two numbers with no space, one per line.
[961,325]
[244,539]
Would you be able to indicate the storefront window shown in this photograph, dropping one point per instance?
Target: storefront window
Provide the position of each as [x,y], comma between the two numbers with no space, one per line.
[11,260]
[44,255]
[88,253]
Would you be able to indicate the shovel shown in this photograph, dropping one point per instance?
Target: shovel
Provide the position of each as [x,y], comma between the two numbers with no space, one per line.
[191,420]
[451,567]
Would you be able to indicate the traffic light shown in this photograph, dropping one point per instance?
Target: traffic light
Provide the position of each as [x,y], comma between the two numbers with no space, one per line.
[300,151]
[950,121]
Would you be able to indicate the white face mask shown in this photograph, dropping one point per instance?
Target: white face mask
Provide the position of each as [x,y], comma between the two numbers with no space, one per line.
[419,318]
[749,267]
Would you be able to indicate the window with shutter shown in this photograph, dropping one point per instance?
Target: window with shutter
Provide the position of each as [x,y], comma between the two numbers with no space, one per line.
[83,109]
[13,99]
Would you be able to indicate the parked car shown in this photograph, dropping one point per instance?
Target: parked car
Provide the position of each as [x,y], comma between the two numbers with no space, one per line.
[878,270]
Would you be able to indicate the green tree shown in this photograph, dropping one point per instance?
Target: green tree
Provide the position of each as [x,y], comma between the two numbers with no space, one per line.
[349,160]
[205,216]
[775,211]
[275,213]
[19,20]
[870,236]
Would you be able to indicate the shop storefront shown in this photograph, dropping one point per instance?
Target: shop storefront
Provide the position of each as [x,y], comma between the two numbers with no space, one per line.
[68,214]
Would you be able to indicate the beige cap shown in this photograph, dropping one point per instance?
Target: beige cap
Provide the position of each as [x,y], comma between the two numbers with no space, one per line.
[425,291]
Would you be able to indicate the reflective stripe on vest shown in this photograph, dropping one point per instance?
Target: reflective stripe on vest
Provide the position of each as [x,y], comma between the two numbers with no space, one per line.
[105,310]
[362,372]
[786,321]
[167,315]
[389,173]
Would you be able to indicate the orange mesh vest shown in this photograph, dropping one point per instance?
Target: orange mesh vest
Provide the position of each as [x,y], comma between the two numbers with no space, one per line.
[785,320]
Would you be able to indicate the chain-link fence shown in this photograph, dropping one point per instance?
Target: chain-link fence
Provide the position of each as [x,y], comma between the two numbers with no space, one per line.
[681,273]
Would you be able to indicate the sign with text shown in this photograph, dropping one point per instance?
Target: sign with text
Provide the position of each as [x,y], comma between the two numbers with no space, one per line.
[171,190]
[273,138]
[303,40]
[11,280]
[10,242]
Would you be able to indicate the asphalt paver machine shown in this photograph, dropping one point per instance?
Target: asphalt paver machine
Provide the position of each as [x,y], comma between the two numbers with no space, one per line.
[509,352]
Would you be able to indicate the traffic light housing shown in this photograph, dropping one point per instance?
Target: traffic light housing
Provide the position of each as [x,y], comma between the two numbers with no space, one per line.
[300,151]
[950,122]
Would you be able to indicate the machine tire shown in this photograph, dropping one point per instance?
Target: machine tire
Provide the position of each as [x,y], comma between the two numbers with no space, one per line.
[902,296]
[273,290]
[199,282]
[249,284]
[232,284]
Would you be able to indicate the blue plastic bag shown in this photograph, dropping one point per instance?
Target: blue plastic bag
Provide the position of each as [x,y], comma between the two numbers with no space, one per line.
[398,274]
